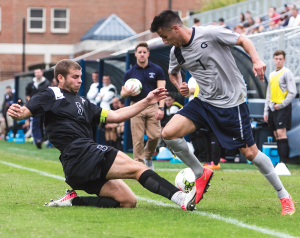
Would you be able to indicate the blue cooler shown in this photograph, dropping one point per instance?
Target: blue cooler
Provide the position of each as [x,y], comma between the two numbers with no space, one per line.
[270,149]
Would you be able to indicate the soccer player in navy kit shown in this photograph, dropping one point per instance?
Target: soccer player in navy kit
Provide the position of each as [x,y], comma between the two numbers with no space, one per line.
[221,103]
[88,166]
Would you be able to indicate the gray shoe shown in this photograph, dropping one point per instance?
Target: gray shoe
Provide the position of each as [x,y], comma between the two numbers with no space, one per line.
[149,163]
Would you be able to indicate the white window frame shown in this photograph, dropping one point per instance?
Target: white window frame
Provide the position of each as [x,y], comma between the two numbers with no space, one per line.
[67,29]
[43,19]
[179,12]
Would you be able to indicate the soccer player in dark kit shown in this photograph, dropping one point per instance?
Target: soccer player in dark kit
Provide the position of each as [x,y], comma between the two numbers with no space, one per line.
[88,166]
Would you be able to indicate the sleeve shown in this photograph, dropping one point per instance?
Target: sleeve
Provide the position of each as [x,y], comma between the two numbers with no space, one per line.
[92,93]
[160,74]
[28,88]
[126,77]
[266,110]
[108,96]
[41,102]
[223,36]
[95,113]
[291,87]
[174,66]
[173,110]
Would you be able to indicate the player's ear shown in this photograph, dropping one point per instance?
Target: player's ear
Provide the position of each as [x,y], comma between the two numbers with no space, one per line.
[60,78]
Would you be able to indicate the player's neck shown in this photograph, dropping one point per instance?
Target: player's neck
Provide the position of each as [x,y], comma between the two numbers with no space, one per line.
[142,64]
[186,35]
[279,68]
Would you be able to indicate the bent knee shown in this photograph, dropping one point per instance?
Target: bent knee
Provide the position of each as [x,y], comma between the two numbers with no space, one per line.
[129,203]
[249,154]
[168,134]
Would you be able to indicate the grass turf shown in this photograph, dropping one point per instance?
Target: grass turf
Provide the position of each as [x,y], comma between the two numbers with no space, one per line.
[242,195]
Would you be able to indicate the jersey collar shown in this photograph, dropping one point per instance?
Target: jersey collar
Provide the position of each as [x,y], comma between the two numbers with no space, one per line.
[191,40]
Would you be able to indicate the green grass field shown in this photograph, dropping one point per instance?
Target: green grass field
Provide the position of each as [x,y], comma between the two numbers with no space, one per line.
[240,203]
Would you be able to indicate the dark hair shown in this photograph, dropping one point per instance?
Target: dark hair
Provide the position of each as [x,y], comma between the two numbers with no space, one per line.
[63,67]
[279,52]
[273,8]
[221,19]
[171,95]
[165,19]
[142,44]
[122,100]
[96,72]
[8,86]
[196,20]
[243,18]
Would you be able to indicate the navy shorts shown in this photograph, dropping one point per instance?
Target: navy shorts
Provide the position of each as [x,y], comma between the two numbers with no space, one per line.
[231,125]
[86,164]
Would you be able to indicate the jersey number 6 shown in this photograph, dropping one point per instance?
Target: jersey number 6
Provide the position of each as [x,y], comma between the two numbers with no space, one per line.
[198,60]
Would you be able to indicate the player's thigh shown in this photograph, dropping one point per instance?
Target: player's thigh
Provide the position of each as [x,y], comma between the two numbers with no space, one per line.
[281,133]
[125,168]
[178,127]
[119,191]
[249,152]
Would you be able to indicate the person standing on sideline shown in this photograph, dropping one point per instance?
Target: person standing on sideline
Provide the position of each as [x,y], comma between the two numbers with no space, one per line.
[278,107]
[221,102]
[151,77]
[39,83]
[94,88]
[8,100]
[196,22]
[107,93]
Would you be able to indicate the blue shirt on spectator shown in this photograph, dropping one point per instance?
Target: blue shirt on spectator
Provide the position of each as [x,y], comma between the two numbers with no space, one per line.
[148,77]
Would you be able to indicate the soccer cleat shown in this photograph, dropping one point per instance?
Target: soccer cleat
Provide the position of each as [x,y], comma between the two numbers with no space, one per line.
[288,207]
[202,184]
[64,201]
[189,201]
[213,166]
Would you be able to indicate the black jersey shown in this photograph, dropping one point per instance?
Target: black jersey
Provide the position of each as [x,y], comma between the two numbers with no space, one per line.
[67,116]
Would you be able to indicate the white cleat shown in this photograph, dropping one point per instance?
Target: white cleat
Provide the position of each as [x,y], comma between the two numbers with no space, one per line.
[64,201]
[189,201]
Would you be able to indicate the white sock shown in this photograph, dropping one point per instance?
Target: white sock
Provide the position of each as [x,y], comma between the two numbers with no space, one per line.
[178,197]
[182,151]
[265,166]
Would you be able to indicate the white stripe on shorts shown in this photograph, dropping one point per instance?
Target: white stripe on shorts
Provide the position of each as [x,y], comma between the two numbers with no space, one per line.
[241,125]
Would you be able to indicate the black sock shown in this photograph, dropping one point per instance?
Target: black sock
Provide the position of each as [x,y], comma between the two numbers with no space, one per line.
[283,150]
[215,148]
[103,202]
[156,184]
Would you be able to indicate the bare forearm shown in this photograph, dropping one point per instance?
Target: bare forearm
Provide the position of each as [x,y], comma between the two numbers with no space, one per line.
[126,113]
[248,47]
[176,79]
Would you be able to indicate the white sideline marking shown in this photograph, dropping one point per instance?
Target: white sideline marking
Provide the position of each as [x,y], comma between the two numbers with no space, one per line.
[230,170]
[158,203]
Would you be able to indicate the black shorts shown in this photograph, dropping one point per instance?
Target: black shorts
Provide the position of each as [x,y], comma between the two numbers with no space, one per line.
[280,119]
[86,164]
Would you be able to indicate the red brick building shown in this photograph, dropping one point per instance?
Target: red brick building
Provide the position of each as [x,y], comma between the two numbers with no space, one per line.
[54,28]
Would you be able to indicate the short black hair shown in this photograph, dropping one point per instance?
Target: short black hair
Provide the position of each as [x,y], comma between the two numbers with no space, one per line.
[165,19]
[196,20]
[171,95]
[122,100]
[8,86]
[221,19]
[96,72]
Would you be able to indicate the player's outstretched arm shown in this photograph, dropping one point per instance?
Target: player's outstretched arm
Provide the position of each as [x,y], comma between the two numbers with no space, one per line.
[126,113]
[259,67]
[18,113]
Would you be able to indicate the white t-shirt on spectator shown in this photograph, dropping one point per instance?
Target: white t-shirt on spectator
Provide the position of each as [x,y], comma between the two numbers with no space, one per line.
[107,93]
[92,93]
[294,21]
[192,84]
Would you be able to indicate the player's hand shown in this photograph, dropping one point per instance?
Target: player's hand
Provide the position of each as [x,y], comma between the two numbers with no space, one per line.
[14,111]
[129,92]
[259,68]
[159,114]
[184,89]
[156,95]
[276,106]
[266,117]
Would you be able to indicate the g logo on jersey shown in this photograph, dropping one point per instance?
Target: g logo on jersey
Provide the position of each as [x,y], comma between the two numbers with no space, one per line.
[80,109]
[102,147]
[204,45]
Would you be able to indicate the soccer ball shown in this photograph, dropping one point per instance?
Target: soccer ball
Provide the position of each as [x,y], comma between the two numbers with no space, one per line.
[137,86]
[185,180]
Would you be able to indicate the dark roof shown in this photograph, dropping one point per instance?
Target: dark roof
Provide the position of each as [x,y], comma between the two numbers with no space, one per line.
[109,28]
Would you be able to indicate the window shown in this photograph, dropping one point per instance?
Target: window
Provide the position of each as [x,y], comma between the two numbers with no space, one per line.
[178,12]
[36,18]
[60,18]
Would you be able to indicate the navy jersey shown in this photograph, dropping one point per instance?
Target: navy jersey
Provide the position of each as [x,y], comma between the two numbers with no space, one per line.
[67,116]
[148,77]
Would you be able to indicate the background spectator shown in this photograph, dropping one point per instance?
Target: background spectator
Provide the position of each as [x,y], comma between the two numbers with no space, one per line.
[38,84]
[295,18]
[111,128]
[107,93]
[284,20]
[8,100]
[196,22]
[242,18]
[259,27]
[94,88]
[240,29]
[54,82]
[249,20]
[273,15]
[214,23]
[222,23]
